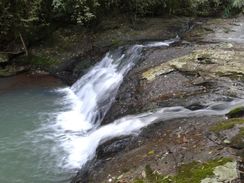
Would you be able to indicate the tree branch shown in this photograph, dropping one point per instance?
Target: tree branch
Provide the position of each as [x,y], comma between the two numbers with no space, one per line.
[24,45]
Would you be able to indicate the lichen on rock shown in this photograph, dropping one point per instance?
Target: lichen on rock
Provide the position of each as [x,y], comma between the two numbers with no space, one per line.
[211,62]
[152,73]
[224,173]
[195,172]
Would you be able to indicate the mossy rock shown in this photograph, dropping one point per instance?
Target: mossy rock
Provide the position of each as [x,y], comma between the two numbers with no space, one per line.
[238,140]
[236,112]
[211,63]
[225,173]
[226,125]
[193,172]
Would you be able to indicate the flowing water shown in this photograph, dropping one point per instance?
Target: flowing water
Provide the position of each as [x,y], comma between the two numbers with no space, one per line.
[48,132]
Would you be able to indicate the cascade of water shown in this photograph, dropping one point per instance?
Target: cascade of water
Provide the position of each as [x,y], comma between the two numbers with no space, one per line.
[91,97]
[97,89]
[93,94]
[84,148]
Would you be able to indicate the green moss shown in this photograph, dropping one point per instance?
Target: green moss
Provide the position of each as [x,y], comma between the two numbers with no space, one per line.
[236,112]
[238,140]
[152,152]
[225,125]
[193,172]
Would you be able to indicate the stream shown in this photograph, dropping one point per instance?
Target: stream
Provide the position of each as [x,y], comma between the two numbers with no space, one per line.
[49,131]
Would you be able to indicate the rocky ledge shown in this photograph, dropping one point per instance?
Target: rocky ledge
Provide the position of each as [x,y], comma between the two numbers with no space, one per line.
[207,66]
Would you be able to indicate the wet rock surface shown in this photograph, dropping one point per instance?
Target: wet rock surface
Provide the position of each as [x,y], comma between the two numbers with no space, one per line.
[201,70]
[164,146]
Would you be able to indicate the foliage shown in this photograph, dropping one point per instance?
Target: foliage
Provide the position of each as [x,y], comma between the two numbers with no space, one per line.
[238,3]
[233,7]
[21,16]
[27,16]
[79,11]
[205,7]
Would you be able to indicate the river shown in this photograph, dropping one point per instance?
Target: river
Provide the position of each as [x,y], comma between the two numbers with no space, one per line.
[48,131]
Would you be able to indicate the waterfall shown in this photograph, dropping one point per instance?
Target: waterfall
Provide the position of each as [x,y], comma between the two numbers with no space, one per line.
[97,89]
[84,147]
[91,96]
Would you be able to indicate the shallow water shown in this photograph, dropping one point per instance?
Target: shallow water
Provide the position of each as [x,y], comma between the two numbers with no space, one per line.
[27,154]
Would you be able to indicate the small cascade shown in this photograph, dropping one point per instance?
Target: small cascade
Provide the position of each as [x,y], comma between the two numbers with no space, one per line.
[89,99]
[97,89]
[92,95]
[84,147]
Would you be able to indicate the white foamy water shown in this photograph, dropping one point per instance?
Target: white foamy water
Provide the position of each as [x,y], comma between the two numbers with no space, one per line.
[89,99]
[164,43]
[97,89]
[83,148]
[77,127]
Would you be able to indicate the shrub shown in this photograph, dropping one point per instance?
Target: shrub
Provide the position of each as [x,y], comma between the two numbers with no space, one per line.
[27,16]
[238,4]
[78,11]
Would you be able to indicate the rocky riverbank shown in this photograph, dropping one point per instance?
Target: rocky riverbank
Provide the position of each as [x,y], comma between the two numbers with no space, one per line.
[206,67]
[68,52]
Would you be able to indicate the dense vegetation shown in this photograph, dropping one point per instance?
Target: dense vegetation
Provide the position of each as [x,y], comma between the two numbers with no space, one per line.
[26,17]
